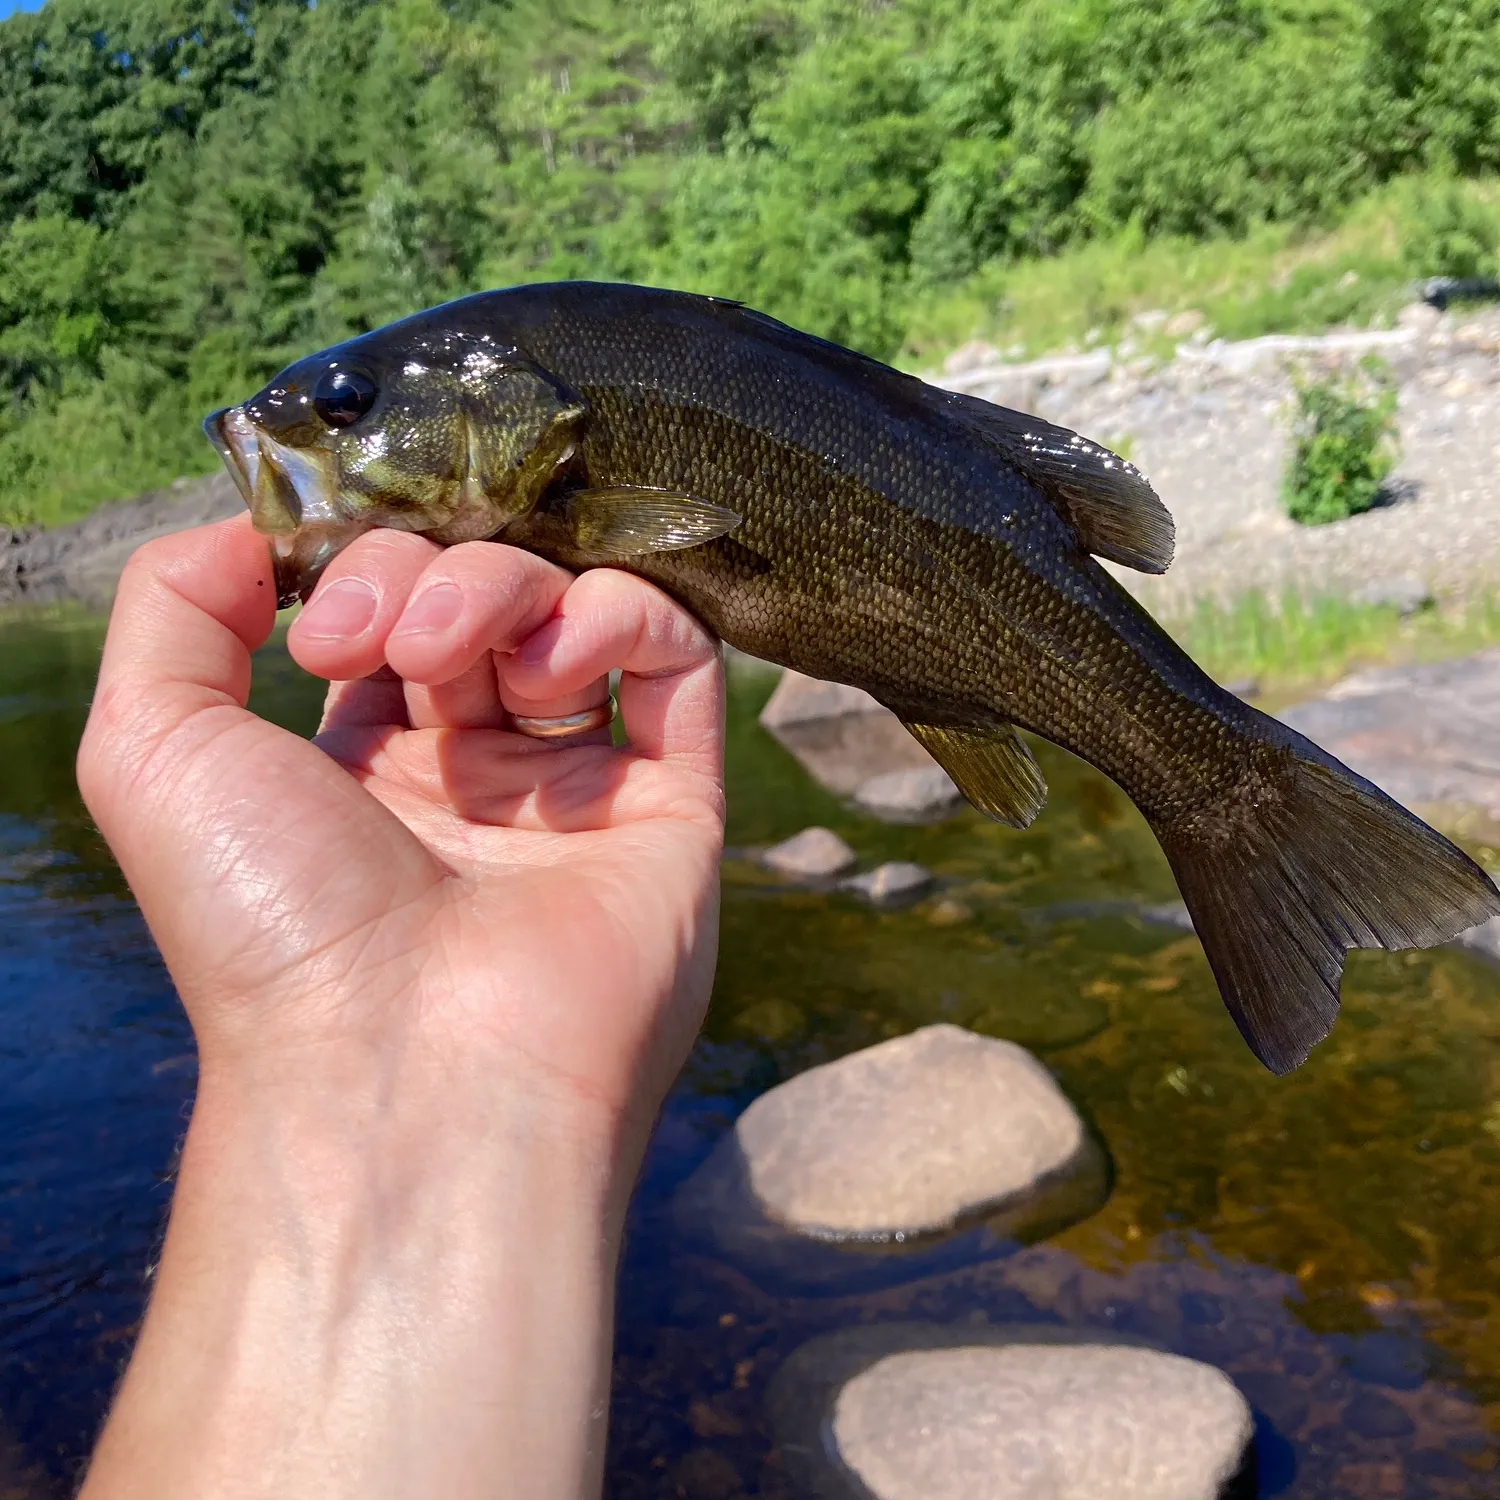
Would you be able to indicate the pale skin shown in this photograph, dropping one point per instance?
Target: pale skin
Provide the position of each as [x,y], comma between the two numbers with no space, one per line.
[440,977]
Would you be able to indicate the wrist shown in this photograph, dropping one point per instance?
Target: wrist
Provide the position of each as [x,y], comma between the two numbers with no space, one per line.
[345,1304]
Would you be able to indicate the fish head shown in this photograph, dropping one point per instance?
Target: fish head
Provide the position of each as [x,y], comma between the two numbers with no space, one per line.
[446,433]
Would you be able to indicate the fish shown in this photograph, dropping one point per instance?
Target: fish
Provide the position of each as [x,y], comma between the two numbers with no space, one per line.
[819,509]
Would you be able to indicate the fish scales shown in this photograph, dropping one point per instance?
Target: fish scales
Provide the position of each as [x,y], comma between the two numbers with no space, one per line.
[821,510]
[827,578]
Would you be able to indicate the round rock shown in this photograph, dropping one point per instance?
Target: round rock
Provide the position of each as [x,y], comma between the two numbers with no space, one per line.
[840,735]
[904,1139]
[813,854]
[910,796]
[896,880]
[923,1412]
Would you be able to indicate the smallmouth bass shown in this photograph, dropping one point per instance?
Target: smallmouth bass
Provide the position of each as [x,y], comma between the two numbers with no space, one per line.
[821,510]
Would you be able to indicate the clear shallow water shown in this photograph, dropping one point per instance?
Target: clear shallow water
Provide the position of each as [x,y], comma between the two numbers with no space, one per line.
[1331,1239]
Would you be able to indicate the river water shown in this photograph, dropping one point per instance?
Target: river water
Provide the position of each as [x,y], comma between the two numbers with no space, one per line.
[1332,1239]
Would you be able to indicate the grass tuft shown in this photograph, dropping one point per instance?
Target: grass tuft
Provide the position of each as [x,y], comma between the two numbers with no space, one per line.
[1292,646]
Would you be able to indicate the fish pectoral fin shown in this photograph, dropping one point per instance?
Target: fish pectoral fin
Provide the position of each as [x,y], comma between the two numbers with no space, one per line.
[1105,499]
[992,766]
[626,520]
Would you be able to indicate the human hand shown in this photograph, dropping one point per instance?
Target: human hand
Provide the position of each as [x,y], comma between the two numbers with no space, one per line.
[544,912]
[440,976]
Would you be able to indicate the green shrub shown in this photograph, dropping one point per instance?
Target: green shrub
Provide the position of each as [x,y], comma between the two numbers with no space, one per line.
[1449,230]
[1343,447]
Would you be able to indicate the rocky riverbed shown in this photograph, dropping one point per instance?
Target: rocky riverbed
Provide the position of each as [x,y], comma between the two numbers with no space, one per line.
[1327,1241]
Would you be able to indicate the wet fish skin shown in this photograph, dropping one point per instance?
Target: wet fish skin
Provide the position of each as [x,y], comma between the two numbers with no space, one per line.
[818,509]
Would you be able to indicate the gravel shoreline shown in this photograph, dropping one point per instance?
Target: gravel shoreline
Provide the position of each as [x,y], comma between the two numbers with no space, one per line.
[1210,429]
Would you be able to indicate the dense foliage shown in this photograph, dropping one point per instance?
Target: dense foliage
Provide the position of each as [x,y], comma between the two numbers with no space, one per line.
[1343,446]
[192,191]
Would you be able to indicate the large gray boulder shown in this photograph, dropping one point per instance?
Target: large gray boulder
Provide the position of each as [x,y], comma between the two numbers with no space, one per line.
[908,1411]
[1427,734]
[847,742]
[899,1142]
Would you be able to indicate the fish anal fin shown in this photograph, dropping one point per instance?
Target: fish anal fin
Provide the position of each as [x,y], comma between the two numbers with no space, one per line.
[628,520]
[992,766]
[1105,499]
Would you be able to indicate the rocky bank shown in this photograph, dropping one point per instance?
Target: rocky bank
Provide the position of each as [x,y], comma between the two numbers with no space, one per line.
[1210,429]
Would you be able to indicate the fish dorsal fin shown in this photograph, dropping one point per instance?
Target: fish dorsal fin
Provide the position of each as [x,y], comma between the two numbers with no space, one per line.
[991,766]
[627,520]
[1106,500]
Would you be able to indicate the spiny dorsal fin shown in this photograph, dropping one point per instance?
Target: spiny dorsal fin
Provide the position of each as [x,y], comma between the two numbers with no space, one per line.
[1111,508]
[992,767]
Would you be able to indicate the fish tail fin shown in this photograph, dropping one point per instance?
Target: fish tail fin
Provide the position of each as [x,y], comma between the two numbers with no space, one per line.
[1305,864]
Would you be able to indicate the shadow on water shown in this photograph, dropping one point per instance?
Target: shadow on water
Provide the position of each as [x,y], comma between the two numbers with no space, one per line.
[1332,1239]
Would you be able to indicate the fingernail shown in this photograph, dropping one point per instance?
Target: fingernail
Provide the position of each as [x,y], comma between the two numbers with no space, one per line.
[343,609]
[435,608]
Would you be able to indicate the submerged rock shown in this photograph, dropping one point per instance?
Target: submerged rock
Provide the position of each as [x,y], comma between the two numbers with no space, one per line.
[1371,1415]
[905,1139]
[813,854]
[912,796]
[909,1411]
[896,880]
[706,1474]
[772,1020]
[1172,914]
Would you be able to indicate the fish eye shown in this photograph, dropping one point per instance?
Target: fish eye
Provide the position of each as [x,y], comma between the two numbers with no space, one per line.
[343,397]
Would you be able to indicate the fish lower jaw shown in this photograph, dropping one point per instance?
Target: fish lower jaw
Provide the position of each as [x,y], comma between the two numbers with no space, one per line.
[298,558]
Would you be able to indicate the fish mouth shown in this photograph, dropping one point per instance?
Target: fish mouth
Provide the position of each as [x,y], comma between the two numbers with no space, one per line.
[233,439]
[291,496]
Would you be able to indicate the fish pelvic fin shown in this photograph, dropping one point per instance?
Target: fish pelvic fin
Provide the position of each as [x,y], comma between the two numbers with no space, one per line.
[1282,883]
[1106,500]
[992,766]
[627,520]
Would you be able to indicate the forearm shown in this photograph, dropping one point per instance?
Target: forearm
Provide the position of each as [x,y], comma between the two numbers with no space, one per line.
[375,1291]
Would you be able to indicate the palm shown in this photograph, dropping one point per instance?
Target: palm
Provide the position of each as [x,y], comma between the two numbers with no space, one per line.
[484,889]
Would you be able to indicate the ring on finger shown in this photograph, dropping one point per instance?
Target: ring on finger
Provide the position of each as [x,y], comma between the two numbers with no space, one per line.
[562,726]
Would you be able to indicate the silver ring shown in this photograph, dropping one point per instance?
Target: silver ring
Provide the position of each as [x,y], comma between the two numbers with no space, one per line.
[583,722]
